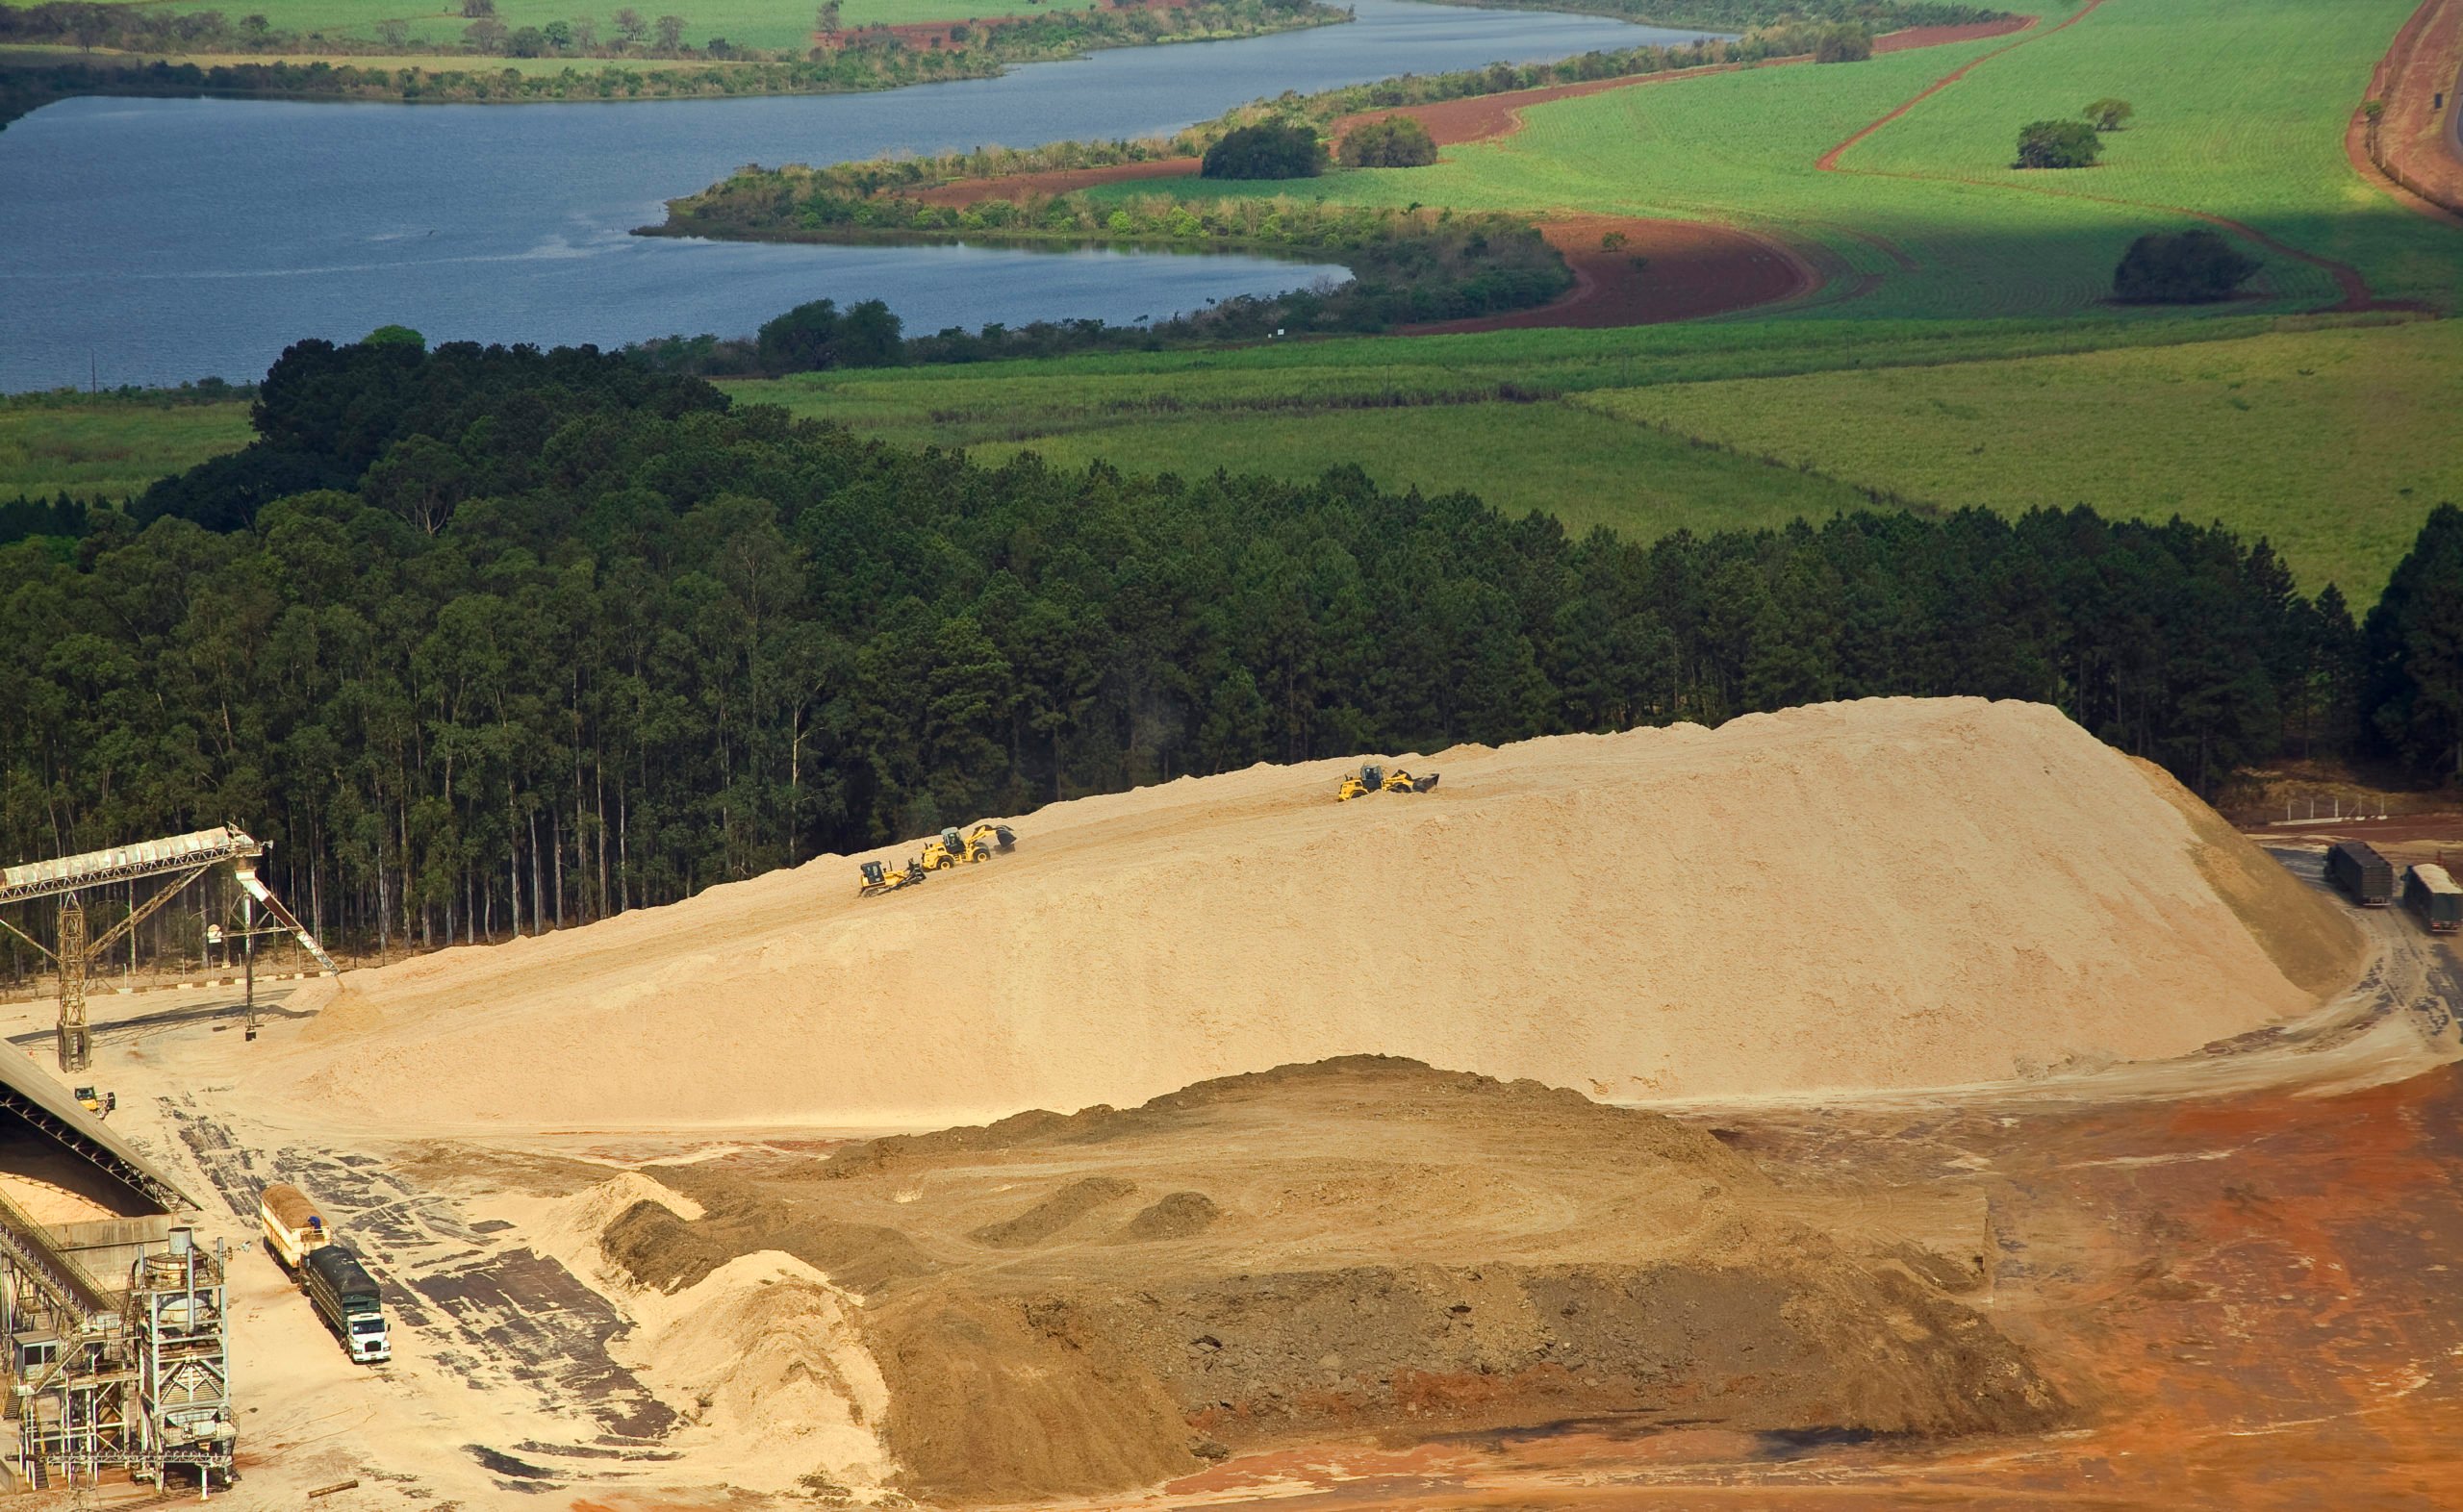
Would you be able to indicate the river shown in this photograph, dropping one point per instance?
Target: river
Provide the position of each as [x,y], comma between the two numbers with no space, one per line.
[149,241]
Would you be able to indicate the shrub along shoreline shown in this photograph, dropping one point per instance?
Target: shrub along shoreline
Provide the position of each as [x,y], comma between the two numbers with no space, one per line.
[1407,267]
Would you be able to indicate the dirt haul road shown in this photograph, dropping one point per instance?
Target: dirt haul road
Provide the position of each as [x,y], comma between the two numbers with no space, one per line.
[1888,894]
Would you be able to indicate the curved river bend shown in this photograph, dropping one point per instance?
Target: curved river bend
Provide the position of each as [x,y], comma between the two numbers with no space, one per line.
[154,240]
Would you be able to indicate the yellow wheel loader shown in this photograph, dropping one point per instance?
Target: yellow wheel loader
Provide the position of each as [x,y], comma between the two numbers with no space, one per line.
[943,851]
[987,839]
[1375,778]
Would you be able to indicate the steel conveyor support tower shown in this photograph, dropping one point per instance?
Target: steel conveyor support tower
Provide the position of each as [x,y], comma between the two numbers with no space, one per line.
[181,858]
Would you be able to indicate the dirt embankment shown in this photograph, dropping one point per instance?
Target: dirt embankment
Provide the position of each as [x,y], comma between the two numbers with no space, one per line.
[2414,149]
[1934,892]
[1389,1247]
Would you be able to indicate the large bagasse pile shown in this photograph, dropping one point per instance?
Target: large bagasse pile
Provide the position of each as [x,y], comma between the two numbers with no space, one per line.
[1885,893]
[1060,1305]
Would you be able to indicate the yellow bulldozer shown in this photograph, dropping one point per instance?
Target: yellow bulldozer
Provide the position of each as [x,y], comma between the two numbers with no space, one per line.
[1374,778]
[878,878]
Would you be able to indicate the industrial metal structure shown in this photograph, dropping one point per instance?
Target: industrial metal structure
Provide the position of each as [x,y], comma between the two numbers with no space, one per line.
[183,859]
[117,1350]
[137,1380]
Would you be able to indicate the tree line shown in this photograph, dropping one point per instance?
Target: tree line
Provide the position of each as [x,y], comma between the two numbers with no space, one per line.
[876,58]
[490,638]
[1407,266]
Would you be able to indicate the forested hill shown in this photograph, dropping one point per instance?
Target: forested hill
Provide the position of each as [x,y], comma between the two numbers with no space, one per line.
[547,636]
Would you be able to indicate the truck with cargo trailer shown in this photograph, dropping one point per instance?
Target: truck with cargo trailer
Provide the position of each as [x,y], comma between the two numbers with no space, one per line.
[346,1294]
[2431,891]
[343,1293]
[2361,873]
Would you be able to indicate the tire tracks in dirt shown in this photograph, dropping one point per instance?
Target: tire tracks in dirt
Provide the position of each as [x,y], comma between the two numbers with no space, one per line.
[2356,296]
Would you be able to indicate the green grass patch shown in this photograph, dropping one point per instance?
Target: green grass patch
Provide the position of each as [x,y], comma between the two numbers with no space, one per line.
[109,448]
[1584,468]
[2332,444]
[2241,109]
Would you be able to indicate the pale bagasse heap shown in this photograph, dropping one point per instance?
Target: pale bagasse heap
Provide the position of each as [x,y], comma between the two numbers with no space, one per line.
[1893,893]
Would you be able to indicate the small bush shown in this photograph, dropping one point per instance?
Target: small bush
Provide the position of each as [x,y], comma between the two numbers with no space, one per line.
[1269,150]
[2109,115]
[2179,267]
[2058,144]
[1846,43]
[1396,141]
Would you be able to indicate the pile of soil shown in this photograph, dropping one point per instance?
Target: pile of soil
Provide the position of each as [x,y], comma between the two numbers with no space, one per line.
[1897,892]
[1364,1245]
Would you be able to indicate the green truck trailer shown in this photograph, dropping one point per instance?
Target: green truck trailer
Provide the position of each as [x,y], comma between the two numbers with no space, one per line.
[2431,892]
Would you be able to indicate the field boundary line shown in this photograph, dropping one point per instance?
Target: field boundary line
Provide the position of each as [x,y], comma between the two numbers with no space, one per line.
[1828,162]
[2356,295]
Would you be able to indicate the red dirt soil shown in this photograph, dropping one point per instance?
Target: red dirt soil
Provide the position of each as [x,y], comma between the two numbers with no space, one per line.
[2248,1297]
[1691,268]
[2411,151]
[1915,37]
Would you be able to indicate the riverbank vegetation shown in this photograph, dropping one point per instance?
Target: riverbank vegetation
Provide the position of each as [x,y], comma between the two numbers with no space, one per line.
[154,51]
[560,638]
[1736,15]
[1779,34]
[1407,267]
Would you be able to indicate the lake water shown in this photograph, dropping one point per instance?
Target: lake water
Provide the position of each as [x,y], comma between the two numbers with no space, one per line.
[154,240]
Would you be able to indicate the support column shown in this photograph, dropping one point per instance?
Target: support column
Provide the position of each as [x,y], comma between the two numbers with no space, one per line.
[76,1039]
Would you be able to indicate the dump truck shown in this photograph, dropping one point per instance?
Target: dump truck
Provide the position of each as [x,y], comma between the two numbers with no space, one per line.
[346,1294]
[2433,892]
[291,1224]
[2364,876]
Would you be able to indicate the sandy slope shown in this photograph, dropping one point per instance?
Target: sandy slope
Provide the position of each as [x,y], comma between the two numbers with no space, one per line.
[1891,893]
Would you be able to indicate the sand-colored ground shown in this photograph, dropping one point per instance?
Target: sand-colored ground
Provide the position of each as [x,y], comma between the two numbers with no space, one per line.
[1886,893]
[1368,1283]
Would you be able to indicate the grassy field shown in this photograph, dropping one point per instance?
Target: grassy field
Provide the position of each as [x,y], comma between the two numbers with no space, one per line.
[746,23]
[1584,467]
[2241,111]
[2332,444]
[2326,437]
[109,448]
[966,405]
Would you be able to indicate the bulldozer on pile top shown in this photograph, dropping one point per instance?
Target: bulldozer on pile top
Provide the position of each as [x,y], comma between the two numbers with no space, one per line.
[878,878]
[1374,778]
